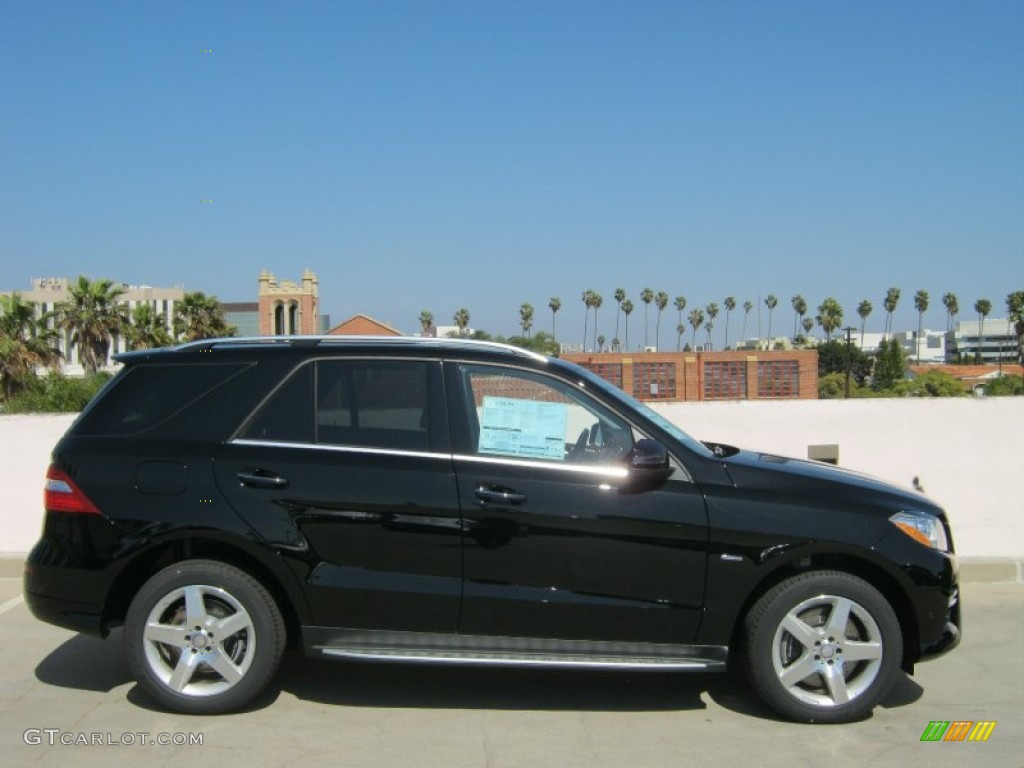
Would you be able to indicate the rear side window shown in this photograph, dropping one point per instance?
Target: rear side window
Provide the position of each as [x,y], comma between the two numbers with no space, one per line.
[388,404]
[147,395]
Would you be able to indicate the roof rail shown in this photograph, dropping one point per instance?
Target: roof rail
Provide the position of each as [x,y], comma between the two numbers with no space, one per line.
[328,341]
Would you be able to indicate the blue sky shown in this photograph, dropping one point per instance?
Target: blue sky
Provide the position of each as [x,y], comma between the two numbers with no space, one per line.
[432,155]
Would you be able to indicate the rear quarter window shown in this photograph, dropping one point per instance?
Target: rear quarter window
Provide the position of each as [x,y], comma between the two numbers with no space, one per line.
[147,395]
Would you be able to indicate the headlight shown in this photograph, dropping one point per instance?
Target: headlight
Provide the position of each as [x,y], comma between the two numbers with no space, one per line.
[922,527]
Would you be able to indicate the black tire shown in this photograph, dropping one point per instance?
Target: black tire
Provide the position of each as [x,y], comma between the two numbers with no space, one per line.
[225,654]
[822,647]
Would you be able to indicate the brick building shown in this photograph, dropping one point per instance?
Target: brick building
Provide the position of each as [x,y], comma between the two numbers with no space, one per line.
[287,308]
[694,376]
[363,325]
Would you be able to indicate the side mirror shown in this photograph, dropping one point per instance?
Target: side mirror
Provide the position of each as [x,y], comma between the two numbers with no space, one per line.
[649,464]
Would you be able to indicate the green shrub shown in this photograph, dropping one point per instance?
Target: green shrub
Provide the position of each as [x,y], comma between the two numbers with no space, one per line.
[931,384]
[1005,385]
[57,393]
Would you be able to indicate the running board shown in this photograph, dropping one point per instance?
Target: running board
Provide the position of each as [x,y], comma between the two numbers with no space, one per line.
[372,645]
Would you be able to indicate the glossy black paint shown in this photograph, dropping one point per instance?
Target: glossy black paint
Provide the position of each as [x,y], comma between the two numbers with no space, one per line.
[440,541]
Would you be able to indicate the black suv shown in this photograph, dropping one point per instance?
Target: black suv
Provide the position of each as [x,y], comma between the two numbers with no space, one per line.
[467,502]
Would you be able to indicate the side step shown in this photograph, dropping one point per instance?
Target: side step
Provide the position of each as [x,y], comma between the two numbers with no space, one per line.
[371,645]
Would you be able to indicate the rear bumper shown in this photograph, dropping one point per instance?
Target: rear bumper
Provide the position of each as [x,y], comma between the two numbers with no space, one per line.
[78,617]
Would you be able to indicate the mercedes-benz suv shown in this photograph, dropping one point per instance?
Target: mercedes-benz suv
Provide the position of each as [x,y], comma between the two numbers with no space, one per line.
[450,501]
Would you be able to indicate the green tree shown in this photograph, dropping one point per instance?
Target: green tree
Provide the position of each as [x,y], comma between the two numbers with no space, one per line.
[807,324]
[832,356]
[646,296]
[696,321]
[982,307]
[198,316]
[94,316]
[747,306]
[712,312]
[892,299]
[830,316]
[526,317]
[620,296]
[932,383]
[1015,313]
[26,343]
[680,305]
[680,330]
[799,310]
[921,305]
[595,302]
[730,305]
[771,302]
[1005,385]
[660,301]
[554,305]
[863,309]
[627,310]
[952,305]
[426,321]
[890,366]
[461,318]
[588,301]
[147,329]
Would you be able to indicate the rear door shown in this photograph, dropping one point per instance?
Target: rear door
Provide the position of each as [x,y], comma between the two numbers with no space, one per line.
[347,470]
[557,542]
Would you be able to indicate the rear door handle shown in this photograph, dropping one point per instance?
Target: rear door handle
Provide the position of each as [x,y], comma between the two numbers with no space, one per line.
[491,494]
[259,478]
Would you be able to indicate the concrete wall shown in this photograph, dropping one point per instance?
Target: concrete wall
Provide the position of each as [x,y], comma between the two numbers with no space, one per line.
[968,454]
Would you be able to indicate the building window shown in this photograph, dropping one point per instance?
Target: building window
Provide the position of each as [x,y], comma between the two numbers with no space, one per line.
[654,381]
[778,378]
[293,318]
[279,320]
[610,372]
[725,380]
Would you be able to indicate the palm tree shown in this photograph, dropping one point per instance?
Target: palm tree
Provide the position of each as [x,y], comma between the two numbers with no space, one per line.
[588,298]
[600,342]
[952,305]
[863,309]
[526,318]
[696,321]
[680,305]
[646,296]
[554,305]
[892,298]
[660,301]
[921,305]
[93,317]
[680,330]
[198,316]
[1015,312]
[712,310]
[799,310]
[426,321]
[26,342]
[771,302]
[461,319]
[147,329]
[982,307]
[730,305]
[627,310]
[808,325]
[747,306]
[620,296]
[830,316]
[596,301]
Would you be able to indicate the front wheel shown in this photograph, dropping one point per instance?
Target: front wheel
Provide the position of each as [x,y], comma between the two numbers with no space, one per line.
[203,637]
[823,647]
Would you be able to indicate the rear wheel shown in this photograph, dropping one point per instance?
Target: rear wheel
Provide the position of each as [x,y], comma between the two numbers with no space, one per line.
[203,637]
[823,647]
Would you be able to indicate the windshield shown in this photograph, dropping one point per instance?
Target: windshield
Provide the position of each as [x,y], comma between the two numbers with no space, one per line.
[633,405]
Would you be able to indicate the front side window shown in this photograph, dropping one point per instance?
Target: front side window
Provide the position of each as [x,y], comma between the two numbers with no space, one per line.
[523,415]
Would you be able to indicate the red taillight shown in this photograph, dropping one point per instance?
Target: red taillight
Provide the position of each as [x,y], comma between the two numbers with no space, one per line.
[62,495]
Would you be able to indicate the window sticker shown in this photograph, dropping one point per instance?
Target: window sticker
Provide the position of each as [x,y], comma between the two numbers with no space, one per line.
[526,428]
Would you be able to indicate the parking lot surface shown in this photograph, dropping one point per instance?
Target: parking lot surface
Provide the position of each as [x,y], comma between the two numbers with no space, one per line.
[61,687]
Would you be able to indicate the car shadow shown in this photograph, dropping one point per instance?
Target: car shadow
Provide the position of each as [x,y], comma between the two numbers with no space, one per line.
[90,664]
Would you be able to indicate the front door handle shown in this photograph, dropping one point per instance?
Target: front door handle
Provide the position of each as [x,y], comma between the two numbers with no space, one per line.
[260,478]
[493,494]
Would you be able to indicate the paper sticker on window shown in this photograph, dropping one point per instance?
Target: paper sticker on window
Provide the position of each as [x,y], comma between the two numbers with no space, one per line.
[525,428]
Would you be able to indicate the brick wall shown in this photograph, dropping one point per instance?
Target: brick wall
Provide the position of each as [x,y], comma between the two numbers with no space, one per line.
[743,375]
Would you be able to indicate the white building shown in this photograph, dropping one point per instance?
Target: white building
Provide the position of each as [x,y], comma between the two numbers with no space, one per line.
[995,342]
